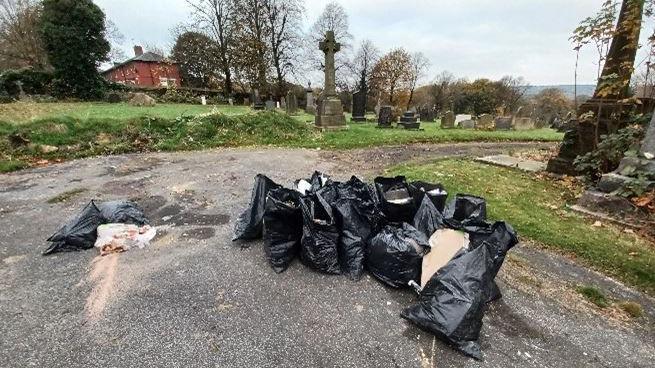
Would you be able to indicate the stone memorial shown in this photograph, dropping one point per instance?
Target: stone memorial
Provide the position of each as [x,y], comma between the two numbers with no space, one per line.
[462,117]
[427,114]
[359,106]
[246,101]
[485,122]
[385,116]
[310,106]
[448,120]
[503,123]
[258,104]
[270,105]
[467,124]
[330,112]
[409,120]
[283,103]
[523,123]
[230,101]
[291,103]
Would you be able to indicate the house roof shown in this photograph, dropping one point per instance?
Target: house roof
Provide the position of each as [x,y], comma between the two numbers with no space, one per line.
[148,57]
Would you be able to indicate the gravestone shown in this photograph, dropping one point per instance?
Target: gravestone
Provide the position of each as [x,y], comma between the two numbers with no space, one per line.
[246,101]
[448,120]
[283,103]
[330,113]
[503,123]
[359,106]
[292,103]
[427,114]
[467,124]
[524,123]
[270,105]
[258,104]
[409,120]
[310,107]
[385,116]
[21,92]
[462,117]
[230,101]
[203,100]
[485,122]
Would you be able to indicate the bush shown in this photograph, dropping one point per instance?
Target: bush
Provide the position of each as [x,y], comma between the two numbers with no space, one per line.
[173,95]
[35,82]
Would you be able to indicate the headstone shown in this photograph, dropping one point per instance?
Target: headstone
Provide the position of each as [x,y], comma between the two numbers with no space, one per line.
[384,117]
[246,101]
[523,123]
[409,120]
[283,103]
[270,105]
[330,113]
[21,92]
[462,117]
[485,122]
[203,100]
[427,114]
[292,103]
[448,120]
[503,123]
[230,101]
[359,106]
[310,108]
[467,124]
[258,103]
[277,104]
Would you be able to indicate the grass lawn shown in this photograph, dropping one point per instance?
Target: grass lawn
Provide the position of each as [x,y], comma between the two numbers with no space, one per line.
[536,208]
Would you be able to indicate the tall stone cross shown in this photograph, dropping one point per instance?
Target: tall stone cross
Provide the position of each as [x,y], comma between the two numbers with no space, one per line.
[330,47]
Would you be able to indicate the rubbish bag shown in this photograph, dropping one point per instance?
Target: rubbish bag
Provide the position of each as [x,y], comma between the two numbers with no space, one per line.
[428,218]
[395,255]
[396,199]
[360,219]
[320,236]
[313,184]
[435,192]
[452,304]
[466,211]
[249,223]
[78,233]
[122,212]
[283,227]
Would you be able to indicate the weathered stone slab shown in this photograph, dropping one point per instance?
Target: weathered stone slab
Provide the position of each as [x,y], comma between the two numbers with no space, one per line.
[385,116]
[514,162]
[359,106]
[448,120]
[503,124]
[467,124]
[462,117]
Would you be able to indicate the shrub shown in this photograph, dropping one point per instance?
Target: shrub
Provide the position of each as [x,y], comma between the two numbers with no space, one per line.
[35,82]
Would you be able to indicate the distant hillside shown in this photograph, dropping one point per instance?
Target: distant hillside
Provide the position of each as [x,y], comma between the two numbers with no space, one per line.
[568,89]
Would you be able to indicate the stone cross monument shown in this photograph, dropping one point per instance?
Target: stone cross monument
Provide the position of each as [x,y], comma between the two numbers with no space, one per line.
[330,111]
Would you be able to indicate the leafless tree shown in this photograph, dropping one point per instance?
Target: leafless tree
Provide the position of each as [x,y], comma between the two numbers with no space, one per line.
[366,56]
[284,19]
[252,35]
[419,64]
[217,19]
[20,41]
[116,39]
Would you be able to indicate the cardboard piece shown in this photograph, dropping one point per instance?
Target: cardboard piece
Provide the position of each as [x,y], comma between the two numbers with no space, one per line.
[445,244]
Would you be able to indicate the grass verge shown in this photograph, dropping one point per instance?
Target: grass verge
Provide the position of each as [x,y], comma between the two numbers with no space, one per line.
[536,208]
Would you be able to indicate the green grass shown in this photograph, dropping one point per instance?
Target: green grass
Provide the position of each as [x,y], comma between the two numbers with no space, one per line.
[11,165]
[535,207]
[635,310]
[594,295]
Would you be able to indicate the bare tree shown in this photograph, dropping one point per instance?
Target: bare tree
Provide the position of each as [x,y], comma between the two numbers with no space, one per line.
[217,18]
[252,35]
[284,19]
[511,91]
[419,64]
[116,39]
[362,64]
[20,41]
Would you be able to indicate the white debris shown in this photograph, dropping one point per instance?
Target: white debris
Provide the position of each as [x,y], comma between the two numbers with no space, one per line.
[303,186]
[117,238]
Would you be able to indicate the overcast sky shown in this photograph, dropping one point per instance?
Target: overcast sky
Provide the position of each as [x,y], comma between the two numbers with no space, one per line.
[469,38]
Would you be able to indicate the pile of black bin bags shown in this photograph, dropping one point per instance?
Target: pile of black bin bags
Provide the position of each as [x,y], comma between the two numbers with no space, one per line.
[345,228]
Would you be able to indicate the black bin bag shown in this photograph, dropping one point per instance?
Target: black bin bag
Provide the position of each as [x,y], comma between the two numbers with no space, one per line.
[320,235]
[435,192]
[466,210]
[428,218]
[282,227]
[453,302]
[360,219]
[78,233]
[316,182]
[122,212]
[249,223]
[396,200]
[395,255]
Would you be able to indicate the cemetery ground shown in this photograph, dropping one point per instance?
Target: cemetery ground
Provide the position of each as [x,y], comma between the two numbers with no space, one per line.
[54,132]
[195,299]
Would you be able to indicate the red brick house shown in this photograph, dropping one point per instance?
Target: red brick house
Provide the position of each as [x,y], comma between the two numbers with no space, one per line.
[145,70]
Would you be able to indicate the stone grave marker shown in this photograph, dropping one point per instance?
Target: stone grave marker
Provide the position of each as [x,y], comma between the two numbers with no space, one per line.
[359,106]
[462,117]
[485,122]
[503,123]
[467,124]
[310,107]
[427,114]
[384,117]
[291,102]
[448,120]
[270,105]
[330,112]
[523,123]
[409,120]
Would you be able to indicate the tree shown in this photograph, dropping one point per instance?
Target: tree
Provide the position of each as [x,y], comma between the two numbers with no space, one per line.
[73,33]
[116,39]
[334,18]
[479,97]
[510,92]
[284,19]
[551,103]
[197,57]
[252,55]
[217,19]
[362,64]
[20,39]
[417,68]
[391,74]
[597,29]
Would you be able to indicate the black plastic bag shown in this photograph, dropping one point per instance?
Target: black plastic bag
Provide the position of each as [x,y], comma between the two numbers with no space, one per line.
[122,212]
[466,211]
[249,223]
[395,255]
[453,302]
[360,219]
[428,218]
[435,192]
[79,233]
[396,200]
[282,227]
[320,237]
[316,182]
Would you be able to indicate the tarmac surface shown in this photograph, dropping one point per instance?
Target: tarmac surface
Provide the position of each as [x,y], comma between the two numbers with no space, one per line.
[194,299]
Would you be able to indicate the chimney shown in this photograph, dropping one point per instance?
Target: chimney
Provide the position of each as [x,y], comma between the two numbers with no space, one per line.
[138,51]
